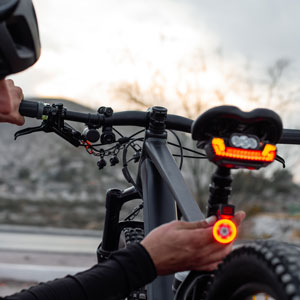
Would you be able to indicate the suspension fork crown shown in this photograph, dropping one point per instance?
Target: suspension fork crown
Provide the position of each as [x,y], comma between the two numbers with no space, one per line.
[115,198]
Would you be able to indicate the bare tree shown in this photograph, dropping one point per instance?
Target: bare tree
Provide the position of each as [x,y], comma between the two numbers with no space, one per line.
[192,97]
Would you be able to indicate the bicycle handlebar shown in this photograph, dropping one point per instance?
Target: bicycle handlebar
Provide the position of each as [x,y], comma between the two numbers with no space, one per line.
[126,118]
[130,118]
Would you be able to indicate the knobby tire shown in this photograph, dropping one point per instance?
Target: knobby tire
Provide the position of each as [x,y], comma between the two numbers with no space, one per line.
[267,267]
[133,235]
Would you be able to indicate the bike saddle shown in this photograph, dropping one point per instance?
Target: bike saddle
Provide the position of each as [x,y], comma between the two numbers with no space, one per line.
[238,139]
[223,121]
[7,7]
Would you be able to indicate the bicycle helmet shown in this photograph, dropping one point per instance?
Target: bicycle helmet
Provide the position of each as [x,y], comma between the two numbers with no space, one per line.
[19,36]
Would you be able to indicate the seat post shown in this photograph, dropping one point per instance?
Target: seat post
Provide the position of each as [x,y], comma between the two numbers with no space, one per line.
[219,189]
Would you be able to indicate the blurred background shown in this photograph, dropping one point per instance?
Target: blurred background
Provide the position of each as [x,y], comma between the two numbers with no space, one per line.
[188,53]
[185,55]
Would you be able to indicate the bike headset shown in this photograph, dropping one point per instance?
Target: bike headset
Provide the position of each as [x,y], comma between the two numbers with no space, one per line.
[19,36]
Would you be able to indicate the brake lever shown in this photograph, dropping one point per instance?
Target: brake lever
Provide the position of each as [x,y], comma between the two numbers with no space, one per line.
[67,132]
[29,130]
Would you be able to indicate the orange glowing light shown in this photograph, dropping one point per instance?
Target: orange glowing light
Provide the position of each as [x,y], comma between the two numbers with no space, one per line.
[268,154]
[224,231]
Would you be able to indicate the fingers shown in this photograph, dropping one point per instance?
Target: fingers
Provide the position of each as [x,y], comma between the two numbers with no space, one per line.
[20,120]
[13,119]
[215,253]
[211,256]
[209,267]
[10,85]
[9,82]
[199,224]
[203,235]
[210,221]
[19,93]
[10,98]
[15,89]
[239,217]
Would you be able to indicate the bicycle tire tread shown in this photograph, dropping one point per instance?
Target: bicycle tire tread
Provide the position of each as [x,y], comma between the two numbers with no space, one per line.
[135,235]
[281,259]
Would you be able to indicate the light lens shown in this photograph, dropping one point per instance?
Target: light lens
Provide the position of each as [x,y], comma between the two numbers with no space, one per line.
[267,155]
[224,231]
[253,144]
[244,142]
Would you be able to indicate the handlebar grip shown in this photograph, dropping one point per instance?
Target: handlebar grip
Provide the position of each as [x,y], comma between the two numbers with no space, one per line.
[290,136]
[31,109]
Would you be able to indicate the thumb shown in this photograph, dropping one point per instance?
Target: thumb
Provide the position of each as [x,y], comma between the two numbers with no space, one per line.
[199,224]
[211,220]
[239,217]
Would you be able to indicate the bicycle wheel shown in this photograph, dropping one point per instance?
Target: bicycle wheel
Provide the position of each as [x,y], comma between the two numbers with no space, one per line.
[260,270]
[132,232]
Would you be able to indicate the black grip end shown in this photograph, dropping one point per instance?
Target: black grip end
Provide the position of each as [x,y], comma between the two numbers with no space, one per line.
[29,109]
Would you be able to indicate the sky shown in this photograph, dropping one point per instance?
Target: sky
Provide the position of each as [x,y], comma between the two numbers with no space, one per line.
[91,47]
[260,30]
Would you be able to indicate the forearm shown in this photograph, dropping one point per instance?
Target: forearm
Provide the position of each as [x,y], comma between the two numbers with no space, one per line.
[125,271]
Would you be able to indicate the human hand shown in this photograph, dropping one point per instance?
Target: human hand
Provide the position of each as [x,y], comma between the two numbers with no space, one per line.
[10,99]
[180,246]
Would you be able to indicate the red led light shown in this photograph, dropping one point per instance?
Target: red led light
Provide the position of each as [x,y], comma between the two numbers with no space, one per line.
[268,154]
[224,231]
[227,210]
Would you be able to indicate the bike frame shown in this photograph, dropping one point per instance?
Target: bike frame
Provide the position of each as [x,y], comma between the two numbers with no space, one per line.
[163,185]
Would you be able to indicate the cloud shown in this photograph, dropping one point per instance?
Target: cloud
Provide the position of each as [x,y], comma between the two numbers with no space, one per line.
[89,46]
[261,30]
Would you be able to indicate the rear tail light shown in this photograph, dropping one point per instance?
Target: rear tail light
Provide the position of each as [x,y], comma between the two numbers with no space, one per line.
[224,231]
[225,153]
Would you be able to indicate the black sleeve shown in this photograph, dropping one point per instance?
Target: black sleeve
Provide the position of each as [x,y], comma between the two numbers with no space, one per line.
[126,270]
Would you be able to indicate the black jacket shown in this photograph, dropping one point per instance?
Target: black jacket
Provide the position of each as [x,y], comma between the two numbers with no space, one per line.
[125,271]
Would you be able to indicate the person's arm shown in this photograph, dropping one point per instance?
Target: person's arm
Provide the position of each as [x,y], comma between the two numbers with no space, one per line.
[125,271]
[10,99]
[170,248]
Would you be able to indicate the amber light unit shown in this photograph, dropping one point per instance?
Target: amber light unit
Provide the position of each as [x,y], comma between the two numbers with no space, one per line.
[224,231]
[268,154]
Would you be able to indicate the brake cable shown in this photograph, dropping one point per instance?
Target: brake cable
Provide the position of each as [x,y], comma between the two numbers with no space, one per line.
[180,147]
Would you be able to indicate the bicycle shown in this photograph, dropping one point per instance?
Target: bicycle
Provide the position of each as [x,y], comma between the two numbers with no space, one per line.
[226,134]
[231,139]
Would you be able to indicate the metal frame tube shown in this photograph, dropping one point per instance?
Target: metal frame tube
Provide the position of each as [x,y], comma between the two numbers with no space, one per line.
[159,208]
[163,185]
[164,162]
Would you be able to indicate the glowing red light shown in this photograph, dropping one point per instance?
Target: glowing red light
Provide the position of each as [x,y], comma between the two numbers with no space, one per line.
[268,154]
[224,231]
[227,210]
